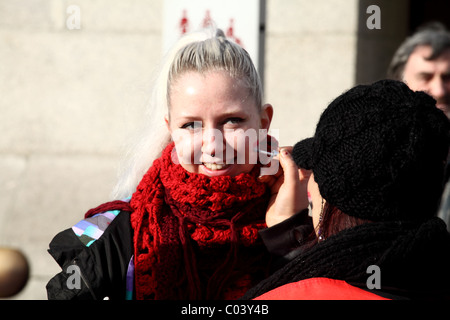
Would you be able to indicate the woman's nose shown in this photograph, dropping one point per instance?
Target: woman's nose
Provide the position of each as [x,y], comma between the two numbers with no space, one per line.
[212,143]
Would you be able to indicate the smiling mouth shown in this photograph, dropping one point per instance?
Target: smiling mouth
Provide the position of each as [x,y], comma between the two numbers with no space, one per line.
[215,166]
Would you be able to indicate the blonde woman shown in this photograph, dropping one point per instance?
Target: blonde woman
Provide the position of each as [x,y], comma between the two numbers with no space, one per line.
[189,227]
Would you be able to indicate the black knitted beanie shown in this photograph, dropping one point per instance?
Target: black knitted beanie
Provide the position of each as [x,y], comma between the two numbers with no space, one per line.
[379,152]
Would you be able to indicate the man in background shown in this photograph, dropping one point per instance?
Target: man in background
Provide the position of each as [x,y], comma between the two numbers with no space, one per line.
[423,62]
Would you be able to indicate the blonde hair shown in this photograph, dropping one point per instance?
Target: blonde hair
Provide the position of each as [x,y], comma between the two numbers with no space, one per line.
[201,51]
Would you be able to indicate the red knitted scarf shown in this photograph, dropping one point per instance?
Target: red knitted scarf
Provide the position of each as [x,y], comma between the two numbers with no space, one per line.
[196,237]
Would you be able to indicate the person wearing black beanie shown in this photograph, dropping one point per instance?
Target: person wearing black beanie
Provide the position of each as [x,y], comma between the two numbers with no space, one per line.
[377,160]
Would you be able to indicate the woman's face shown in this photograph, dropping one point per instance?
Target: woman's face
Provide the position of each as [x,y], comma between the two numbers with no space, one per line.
[215,123]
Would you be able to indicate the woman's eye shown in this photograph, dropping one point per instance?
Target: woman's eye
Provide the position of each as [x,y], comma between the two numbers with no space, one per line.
[193,125]
[234,121]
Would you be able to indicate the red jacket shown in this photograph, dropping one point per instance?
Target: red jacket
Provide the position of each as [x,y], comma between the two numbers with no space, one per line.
[319,289]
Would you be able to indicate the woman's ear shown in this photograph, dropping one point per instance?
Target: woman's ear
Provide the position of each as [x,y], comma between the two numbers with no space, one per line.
[266,116]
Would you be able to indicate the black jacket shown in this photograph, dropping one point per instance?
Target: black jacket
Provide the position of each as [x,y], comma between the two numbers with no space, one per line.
[99,270]
[413,260]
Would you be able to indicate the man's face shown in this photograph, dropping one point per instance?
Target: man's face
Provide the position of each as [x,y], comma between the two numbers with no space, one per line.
[431,76]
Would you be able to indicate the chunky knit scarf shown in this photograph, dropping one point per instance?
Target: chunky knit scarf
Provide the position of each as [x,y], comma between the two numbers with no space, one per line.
[196,237]
[414,260]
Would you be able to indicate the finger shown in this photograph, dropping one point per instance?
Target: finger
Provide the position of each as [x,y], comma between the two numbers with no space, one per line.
[272,181]
[291,172]
[304,174]
[288,148]
[269,180]
[277,170]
